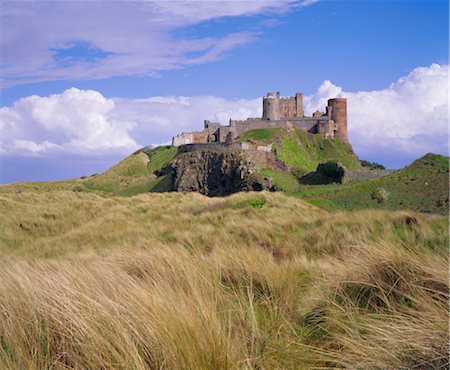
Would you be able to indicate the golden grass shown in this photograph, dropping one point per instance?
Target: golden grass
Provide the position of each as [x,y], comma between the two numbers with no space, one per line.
[184,281]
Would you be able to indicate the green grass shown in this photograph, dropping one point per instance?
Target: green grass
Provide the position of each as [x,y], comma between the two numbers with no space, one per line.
[423,186]
[127,177]
[303,153]
[160,157]
[264,135]
[285,181]
[133,175]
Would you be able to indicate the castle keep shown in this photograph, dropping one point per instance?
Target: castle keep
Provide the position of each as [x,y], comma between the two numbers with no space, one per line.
[278,112]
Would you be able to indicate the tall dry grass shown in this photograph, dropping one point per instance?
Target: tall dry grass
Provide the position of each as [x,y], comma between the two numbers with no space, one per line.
[184,281]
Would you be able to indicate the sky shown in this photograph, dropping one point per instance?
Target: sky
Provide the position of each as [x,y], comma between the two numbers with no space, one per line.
[85,83]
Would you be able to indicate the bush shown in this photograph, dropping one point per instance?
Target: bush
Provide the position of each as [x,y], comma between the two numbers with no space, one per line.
[256,203]
[372,165]
[332,170]
[380,195]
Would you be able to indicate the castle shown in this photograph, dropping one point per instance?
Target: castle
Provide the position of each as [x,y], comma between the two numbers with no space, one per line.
[278,112]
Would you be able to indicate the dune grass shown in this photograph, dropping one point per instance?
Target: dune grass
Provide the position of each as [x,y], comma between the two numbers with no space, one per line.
[254,280]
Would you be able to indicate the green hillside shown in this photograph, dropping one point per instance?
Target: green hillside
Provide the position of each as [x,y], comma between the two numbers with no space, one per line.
[133,175]
[303,152]
[422,186]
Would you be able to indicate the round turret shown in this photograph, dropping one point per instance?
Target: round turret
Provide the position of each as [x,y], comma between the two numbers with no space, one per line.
[271,109]
[339,116]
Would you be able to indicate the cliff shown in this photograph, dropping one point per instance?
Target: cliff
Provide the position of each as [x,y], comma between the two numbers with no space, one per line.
[216,173]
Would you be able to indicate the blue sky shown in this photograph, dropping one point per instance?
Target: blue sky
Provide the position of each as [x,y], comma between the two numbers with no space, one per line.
[86,83]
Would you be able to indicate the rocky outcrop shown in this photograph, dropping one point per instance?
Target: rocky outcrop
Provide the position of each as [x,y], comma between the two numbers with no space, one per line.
[216,173]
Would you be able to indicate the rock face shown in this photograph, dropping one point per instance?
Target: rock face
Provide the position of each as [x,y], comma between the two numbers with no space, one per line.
[216,173]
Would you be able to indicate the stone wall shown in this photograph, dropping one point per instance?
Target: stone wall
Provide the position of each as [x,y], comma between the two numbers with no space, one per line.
[365,174]
[202,146]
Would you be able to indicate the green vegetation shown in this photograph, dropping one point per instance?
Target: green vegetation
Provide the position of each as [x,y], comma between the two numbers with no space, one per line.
[285,181]
[264,135]
[372,165]
[304,154]
[423,186]
[174,280]
[137,173]
[256,202]
[160,157]
[127,177]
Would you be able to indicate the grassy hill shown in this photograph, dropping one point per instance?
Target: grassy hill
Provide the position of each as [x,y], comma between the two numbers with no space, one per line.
[422,186]
[254,280]
[133,175]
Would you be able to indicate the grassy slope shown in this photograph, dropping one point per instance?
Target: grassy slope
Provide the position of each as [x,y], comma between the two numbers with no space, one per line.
[133,175]
[264,135]
[248,281]
[423,186]
[302,153]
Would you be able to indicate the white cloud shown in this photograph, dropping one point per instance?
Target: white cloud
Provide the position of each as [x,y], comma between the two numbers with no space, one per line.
[159,118]
[402,122]
[408,118]
[75,121]
[125,38]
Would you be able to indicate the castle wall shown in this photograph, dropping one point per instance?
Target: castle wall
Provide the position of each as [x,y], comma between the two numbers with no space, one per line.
[190,137]
[183,138]
[305,123]
[200,137]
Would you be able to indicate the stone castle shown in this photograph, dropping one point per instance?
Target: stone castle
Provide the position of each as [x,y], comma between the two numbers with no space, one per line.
[278,112]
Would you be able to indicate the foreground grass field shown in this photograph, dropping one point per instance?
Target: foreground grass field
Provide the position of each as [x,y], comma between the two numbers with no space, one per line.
[254,280]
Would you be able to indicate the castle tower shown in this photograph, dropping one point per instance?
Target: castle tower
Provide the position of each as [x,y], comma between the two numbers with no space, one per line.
[339,116]
[299,105]
[271,107]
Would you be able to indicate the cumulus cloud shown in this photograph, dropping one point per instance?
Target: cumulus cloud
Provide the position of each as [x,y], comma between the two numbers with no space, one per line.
[408,119]
[159,118]
[56,40]
[76,122]
[394,125]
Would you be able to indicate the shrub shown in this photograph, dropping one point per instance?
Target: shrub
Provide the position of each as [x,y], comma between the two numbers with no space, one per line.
[331,170]
[372,165]
[256,203]
[380,195]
